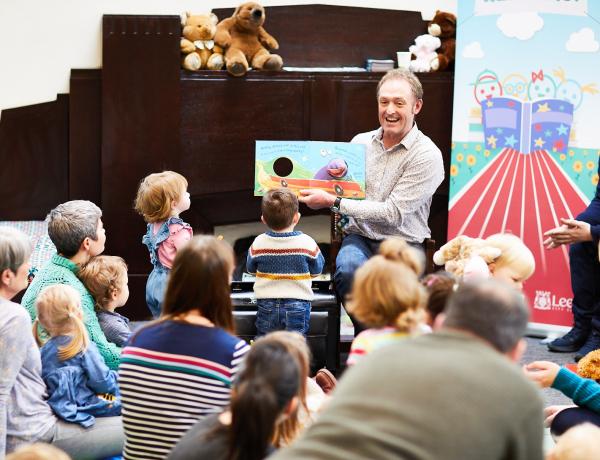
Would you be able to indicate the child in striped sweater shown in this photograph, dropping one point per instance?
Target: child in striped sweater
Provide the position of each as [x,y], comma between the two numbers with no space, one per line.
[284,262]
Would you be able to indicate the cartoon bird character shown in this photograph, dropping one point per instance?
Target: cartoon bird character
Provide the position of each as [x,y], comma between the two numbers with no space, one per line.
[570,90]
[541,86]
[487,86]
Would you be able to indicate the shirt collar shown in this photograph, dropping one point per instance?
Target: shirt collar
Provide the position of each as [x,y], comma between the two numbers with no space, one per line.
[407,142]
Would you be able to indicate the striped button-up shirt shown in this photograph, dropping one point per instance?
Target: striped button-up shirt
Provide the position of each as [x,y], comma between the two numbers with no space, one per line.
[400,182]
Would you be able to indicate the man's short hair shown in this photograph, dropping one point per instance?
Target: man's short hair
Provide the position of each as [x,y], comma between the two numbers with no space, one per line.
[72,222]
[491,310]
[279,206]
[406,75]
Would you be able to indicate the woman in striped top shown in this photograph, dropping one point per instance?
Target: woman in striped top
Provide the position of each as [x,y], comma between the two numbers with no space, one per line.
[180,368]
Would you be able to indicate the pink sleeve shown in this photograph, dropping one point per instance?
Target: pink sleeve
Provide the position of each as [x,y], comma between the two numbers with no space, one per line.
[179,235]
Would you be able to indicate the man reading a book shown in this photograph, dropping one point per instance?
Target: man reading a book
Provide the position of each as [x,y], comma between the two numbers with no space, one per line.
[403,170]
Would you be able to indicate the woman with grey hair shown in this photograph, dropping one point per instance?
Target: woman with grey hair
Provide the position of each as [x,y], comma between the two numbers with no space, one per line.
[25,417]
[76,229]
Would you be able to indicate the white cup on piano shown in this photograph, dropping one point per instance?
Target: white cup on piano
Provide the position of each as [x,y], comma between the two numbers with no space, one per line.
[403,58]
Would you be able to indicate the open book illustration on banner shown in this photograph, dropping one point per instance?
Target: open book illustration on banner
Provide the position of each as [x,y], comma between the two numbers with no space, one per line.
[527,126]
[336,167]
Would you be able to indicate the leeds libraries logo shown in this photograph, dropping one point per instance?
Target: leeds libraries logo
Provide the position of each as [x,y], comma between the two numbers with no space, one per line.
[545,300]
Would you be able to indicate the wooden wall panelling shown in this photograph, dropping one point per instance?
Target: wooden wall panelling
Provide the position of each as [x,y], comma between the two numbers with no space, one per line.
[34,150]
[140,129]
[85,135]
[221,118]
[333,36]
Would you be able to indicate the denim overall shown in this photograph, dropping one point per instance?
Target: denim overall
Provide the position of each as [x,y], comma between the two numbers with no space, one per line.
[157,281]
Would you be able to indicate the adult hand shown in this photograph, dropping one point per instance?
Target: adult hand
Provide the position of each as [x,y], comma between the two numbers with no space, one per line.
[316,198]
[541,372]
[551,411]
[571,231]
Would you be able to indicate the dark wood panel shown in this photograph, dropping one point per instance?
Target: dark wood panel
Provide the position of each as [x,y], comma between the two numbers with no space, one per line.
[34,149]
[334,36]
[140,121]
[221,118]
[85,135]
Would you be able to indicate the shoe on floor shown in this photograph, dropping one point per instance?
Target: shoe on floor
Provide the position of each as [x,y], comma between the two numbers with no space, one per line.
[571,341]
[591,344]
[326,380]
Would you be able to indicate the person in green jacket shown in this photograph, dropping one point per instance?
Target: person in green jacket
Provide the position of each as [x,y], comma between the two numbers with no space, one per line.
[76,229]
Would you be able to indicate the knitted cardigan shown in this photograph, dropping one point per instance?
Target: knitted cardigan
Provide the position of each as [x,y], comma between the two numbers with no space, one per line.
[61,270]
[583,392]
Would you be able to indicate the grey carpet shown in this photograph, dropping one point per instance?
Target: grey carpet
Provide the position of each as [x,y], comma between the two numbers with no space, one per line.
[537,351]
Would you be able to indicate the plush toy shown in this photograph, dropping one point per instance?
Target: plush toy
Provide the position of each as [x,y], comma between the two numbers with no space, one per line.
[197,44]
[443,25]
[464,254]
[589,366]
[246,42]
[424,51]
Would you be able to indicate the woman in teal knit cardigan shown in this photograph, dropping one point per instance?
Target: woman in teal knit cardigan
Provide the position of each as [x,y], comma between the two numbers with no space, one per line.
[76,229]
[585,393]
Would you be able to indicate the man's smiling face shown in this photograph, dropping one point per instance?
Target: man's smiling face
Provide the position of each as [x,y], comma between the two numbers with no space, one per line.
[397,108]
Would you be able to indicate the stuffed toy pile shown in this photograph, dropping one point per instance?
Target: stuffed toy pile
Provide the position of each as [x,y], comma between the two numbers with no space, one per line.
[443,26]
[246,42]
[198,48]
[465,256]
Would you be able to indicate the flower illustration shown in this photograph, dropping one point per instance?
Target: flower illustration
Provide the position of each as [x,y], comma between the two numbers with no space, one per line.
[595,179]
[460,157]
[571,153]
[590,165]
[471,160]
[478,148]
[577,166]
[453,170]
[486,153]
[562,157]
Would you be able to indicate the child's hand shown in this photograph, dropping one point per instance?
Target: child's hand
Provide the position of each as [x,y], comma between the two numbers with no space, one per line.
[541,372]
[551,411]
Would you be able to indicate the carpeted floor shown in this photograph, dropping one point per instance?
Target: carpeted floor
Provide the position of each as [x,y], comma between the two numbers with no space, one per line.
[537,351]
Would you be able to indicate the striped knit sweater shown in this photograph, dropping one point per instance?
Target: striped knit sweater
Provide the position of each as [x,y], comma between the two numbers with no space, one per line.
[171,375]
[284,264]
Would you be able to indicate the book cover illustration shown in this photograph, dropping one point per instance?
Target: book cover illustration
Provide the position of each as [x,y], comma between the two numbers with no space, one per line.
[336,167]
[525,145]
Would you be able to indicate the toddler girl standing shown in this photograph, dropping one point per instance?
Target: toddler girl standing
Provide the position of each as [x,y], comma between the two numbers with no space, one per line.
[161,197]
[80,385]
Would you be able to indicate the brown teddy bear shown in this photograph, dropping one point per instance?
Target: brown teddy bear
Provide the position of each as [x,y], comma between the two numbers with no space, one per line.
[246,41]
[589,366]
[197,44]
[443,25]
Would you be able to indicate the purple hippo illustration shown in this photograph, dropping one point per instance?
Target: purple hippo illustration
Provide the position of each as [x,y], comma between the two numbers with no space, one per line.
[335,169]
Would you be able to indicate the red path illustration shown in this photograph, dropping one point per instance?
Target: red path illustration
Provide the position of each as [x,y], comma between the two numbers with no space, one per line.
[524,194]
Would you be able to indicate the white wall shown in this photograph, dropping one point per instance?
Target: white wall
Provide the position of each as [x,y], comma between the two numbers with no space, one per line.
[42,40]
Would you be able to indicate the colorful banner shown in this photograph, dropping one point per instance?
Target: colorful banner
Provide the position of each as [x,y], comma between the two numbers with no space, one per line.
[574,7]
[525,139]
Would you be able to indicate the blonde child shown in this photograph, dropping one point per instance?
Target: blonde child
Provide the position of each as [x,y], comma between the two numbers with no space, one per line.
[502,256]
[161,197]
[38,451]
[388,298]
[579,443]
[80,386]
[106,279]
